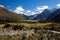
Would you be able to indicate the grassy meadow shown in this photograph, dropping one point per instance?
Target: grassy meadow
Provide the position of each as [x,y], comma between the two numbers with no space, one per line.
[34,25]
[32,31]
[37,24]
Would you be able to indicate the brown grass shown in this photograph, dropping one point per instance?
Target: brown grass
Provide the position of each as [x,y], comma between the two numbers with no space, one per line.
[31,24]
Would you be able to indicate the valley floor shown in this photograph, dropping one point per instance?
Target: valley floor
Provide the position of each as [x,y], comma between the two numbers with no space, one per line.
[30,31]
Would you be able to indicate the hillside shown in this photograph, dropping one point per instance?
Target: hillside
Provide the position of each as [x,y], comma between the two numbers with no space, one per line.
[43,15]
[55,16]
[5,14]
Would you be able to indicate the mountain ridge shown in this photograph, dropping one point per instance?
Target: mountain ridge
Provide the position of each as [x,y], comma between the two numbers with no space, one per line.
[5,14]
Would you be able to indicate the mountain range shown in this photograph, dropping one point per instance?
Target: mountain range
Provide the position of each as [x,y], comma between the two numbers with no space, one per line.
[54,16]
[46,15]
[43,15]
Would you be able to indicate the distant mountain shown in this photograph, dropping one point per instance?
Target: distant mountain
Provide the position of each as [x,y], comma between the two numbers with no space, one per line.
[54,9]
[26,17]
[30,17]
[55,16]
[43,15]
[5,14]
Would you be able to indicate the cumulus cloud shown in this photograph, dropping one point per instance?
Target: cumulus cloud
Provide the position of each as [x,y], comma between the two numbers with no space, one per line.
[58,5]
[39,9]
[19,10]
[29,12]
[1,6]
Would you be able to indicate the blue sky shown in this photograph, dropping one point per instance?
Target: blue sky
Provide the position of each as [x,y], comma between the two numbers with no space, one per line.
[29,5]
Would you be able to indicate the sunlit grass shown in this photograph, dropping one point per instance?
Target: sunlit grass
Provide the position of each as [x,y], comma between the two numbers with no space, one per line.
[1,25]
[31,24]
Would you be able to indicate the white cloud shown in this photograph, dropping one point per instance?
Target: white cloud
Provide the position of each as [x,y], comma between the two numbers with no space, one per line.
[58,5]
[1,6]
[39,9]
[19,10]
[29,12]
